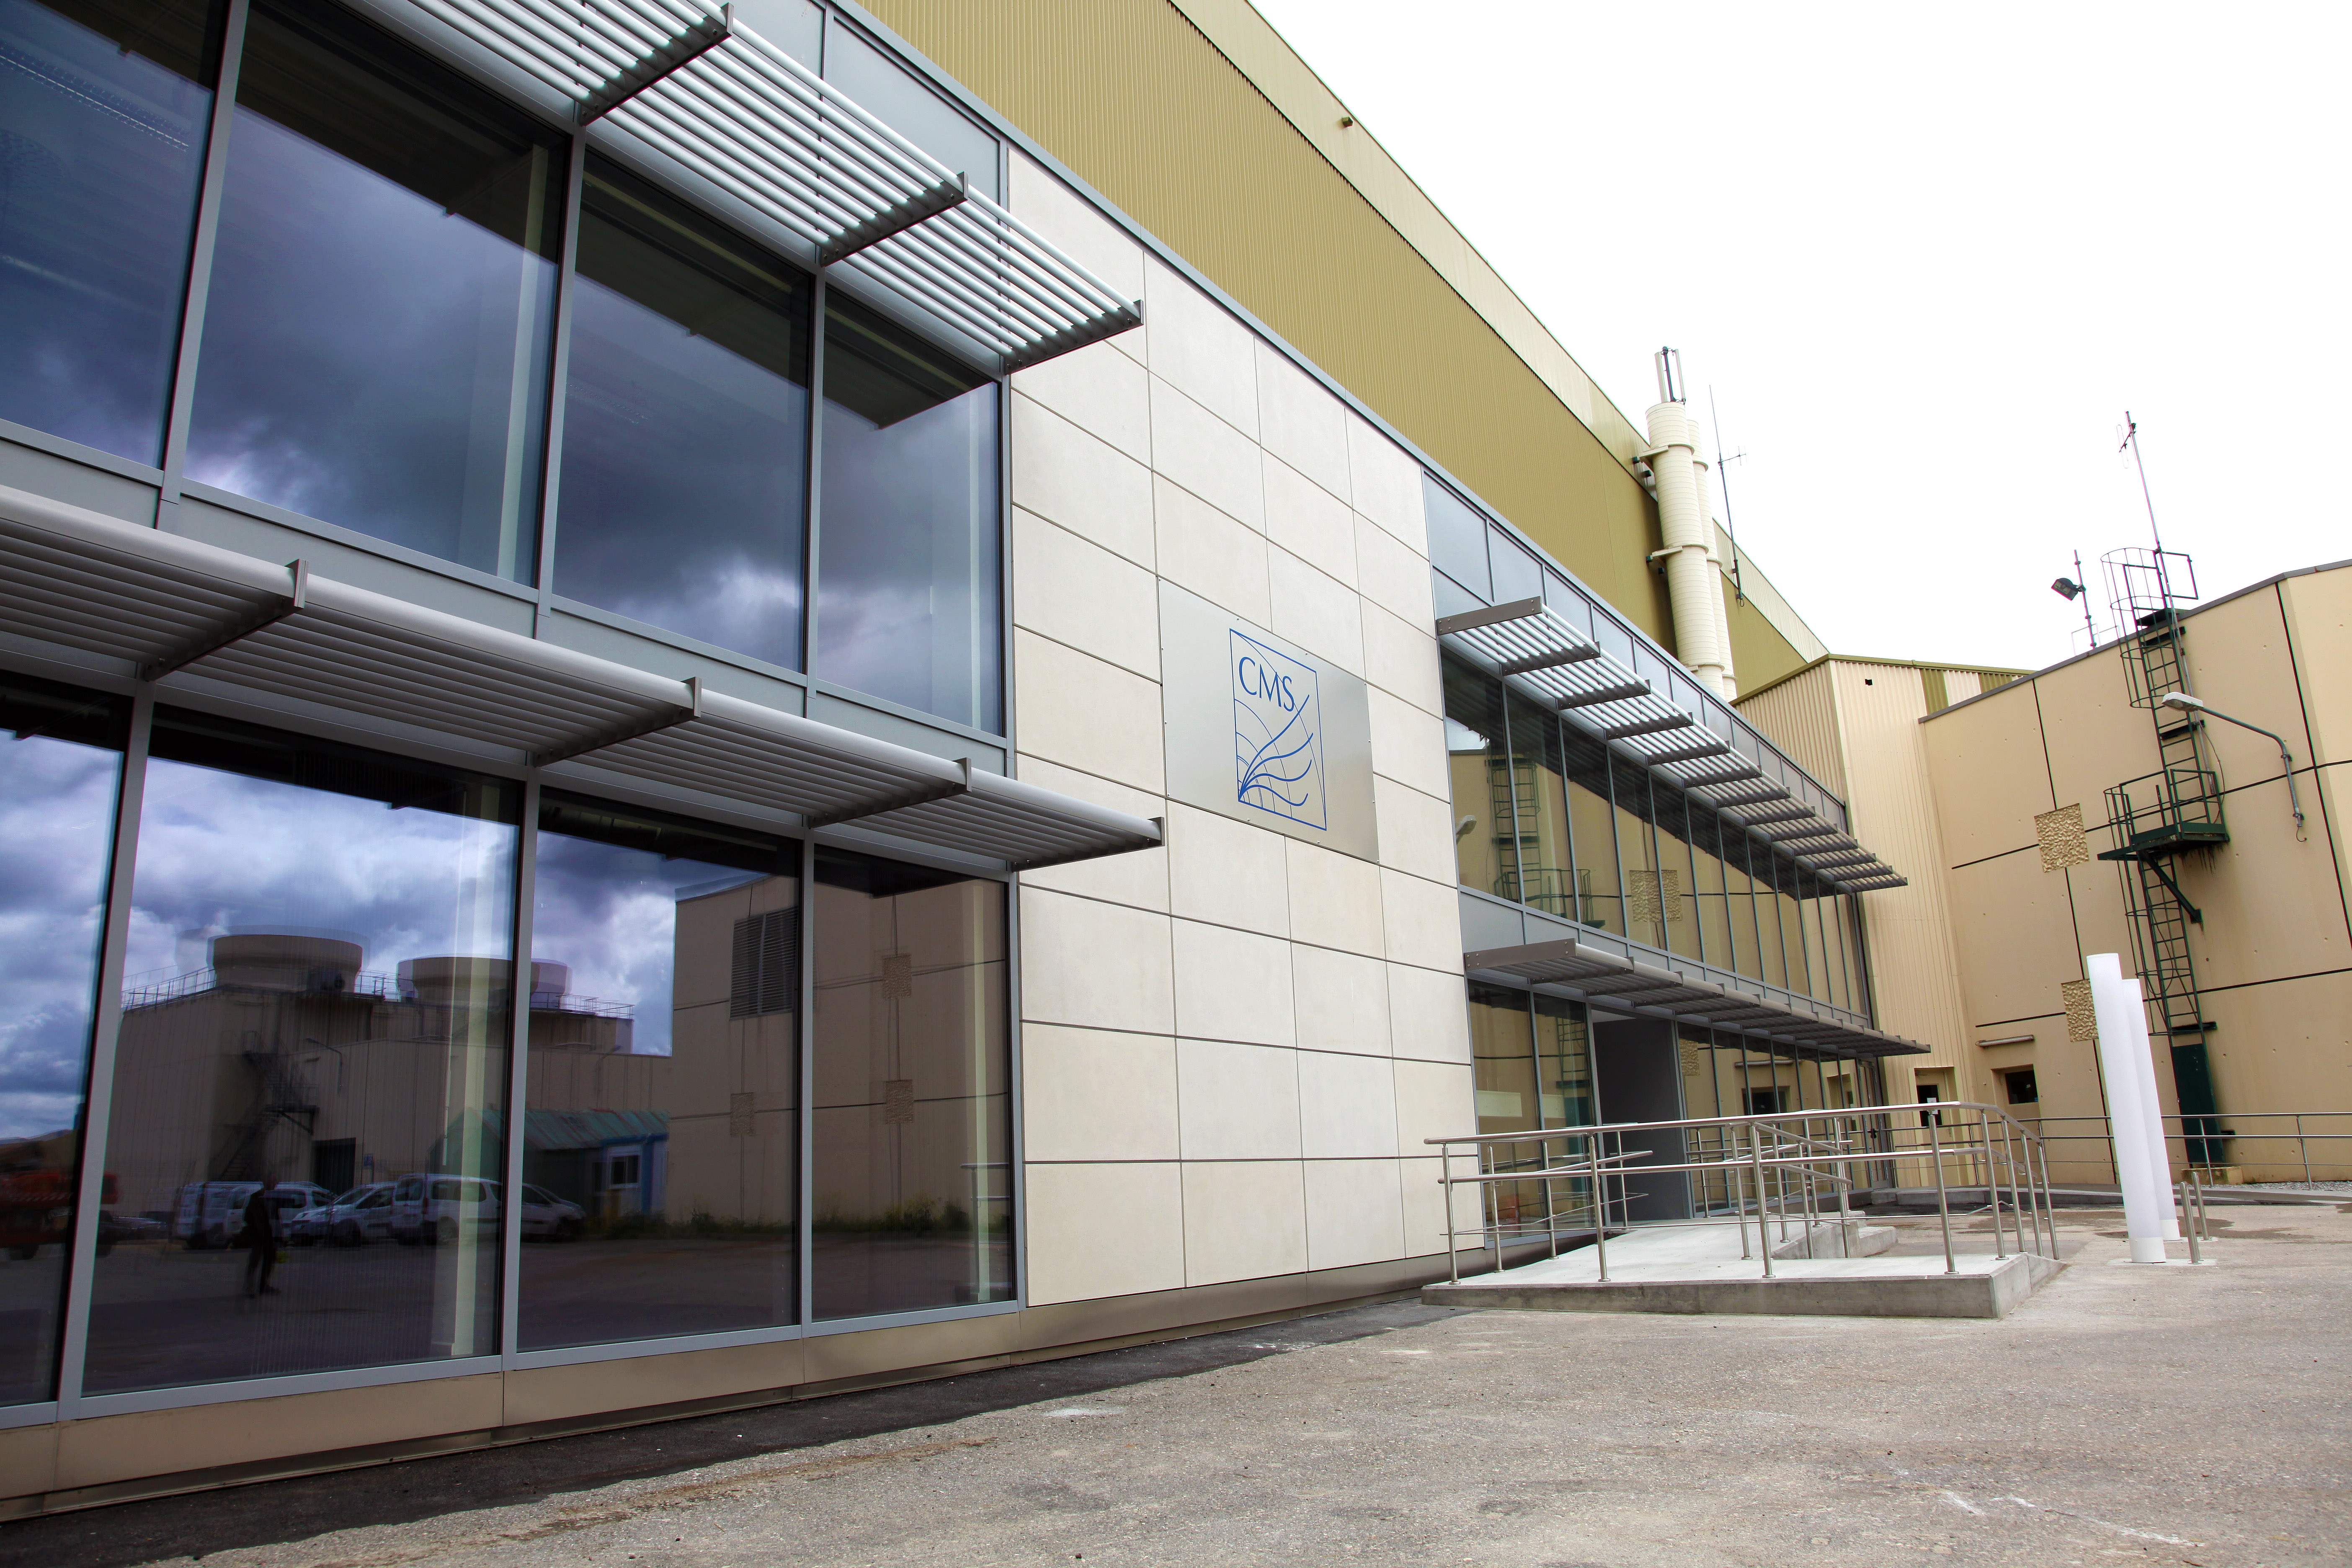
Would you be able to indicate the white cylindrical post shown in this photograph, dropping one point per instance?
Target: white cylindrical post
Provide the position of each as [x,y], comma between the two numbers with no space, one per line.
[1694,584]
[2159,1156]
[2122,1028]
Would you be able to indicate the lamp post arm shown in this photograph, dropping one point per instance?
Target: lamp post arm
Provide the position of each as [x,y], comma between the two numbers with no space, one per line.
[2294,798]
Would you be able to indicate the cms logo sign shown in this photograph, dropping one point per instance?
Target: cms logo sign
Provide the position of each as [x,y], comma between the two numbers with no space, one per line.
[1277,733]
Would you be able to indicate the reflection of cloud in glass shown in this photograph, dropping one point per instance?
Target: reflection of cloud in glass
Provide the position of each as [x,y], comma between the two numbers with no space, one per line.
[104,148]
[682,486]
[361,351]
[611,914]
[908,574]
[222,850]
[56,815]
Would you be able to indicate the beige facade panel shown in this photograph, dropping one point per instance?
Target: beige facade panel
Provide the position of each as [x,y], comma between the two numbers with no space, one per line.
[2012,928]
[2318,608]
[1990,783]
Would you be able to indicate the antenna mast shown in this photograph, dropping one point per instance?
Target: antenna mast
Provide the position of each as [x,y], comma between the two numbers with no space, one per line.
[2131,440]
[1723,479]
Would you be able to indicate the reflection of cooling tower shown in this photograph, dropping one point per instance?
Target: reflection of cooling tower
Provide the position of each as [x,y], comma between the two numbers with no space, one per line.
[467,979]
[277,963]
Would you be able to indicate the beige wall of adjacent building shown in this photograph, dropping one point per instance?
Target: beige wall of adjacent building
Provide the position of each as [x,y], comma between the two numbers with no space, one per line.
[2274,958]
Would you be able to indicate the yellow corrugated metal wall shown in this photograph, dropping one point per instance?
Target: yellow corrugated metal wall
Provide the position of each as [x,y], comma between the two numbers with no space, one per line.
[1140,105]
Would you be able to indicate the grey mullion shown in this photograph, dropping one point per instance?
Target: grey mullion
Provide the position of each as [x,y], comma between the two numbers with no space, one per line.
[518,995]
[559,388]
[106,1028]
[805,1034]
[200,258]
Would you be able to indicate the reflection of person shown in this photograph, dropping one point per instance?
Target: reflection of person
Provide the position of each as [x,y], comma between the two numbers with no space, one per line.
[261,1238]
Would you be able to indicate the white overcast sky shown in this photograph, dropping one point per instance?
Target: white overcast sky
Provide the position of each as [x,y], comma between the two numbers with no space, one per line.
[1925,258]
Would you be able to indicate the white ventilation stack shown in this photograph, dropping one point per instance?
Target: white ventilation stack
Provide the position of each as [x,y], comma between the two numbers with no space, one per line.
[1694,584]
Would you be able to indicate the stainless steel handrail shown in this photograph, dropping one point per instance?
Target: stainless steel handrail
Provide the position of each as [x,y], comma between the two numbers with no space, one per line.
[1764,1165]
[2300,1136]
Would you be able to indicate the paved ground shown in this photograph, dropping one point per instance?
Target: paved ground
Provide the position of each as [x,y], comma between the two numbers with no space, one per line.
[2125,1414]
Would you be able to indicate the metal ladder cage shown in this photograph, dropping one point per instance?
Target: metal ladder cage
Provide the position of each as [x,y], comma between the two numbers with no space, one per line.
[1751,1172]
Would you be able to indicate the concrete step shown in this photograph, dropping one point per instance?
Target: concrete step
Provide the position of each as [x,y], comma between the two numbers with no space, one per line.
[1699,1270]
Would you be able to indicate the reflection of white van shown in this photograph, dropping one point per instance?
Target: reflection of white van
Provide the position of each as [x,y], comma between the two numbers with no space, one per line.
[212,1214]
[430,1208]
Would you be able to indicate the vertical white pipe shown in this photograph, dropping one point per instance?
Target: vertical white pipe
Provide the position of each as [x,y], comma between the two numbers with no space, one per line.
[2160,1157]
[1722,612]
[2117,1006]
[1693,585]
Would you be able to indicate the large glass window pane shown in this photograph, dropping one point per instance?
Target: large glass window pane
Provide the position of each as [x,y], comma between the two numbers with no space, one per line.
[1564,1063]
[909,576]
[1600,897]
[1783,889]
[913,1205]
[60,767]
[1457,537]
[1678,880]
[1546,863]
[1478,761]
[1503,1078]
[661,1155]
[313,1052]
[104,105]
[375,348]
[1707,871]
[683,498]
[1650,894]
[894,95]
[1746,940]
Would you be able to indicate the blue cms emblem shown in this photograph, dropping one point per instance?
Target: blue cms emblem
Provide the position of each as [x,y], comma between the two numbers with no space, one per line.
[1277,733]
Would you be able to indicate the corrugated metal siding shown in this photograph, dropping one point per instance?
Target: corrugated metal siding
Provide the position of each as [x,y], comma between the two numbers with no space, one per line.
[1801,714]
[1139,104]
[1912,956]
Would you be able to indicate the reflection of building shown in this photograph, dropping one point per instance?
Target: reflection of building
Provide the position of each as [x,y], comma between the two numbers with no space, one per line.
[285,1058]
[732,1093]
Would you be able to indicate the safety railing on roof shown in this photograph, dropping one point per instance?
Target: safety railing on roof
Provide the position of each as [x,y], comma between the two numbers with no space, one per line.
[696,86]
[1768,1175]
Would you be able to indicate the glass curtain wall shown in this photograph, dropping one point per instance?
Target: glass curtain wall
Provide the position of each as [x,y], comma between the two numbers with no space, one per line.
[307,1153]
[60,775]
[1545,859]
[909,564]
[1478,759]
[105,110]
[1600,894]
[661,1152]
[382,300]
[382,295]
[683,480]
[913,1200]
[320,953]
[1506,1087]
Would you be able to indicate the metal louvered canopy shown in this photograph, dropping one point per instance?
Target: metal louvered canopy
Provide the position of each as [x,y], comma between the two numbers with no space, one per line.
[737,110]
[1529,644]
[1598,975]
[161,604]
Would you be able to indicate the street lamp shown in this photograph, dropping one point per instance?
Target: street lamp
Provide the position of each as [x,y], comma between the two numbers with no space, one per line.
[2188,704]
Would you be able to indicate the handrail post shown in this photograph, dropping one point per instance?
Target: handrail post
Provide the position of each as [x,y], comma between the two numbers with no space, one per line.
[1993,1188]
[1551,1217]
[1756,1160]
[2188,1215]
[2304,1146]
[1735,1187]
[1600,1210]
[1943,1203]
[2050,1201]
[1445,1191]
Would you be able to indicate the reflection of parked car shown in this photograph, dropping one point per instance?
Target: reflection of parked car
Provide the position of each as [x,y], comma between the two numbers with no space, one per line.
[212,1214]
[359,1216]
[549,1217]
[436,1208]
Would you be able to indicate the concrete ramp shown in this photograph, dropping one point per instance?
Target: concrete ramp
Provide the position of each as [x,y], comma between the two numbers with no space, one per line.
[1699,1270]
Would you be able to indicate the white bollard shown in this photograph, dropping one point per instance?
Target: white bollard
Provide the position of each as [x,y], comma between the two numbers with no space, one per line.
[2121,1033]
[2152,1111]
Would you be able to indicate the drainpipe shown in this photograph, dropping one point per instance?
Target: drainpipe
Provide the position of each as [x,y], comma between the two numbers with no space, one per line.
[1694,577]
